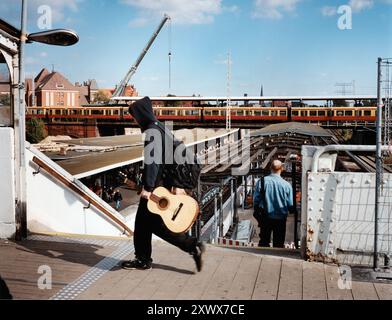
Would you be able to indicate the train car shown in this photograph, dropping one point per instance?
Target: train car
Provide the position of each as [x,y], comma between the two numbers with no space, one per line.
[246,114]
[368,114]
[176,113]
[315,114]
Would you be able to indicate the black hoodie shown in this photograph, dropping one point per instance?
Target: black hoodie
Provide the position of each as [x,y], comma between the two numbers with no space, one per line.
[143,113]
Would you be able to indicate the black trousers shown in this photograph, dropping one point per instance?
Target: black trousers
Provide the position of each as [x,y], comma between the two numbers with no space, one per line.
[4,291]
[276,227]
[147,224]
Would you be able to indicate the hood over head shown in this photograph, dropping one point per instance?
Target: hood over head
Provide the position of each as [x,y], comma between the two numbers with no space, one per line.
[143,113]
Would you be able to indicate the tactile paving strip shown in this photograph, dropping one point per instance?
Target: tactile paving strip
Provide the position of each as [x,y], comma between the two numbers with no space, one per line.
[74,289]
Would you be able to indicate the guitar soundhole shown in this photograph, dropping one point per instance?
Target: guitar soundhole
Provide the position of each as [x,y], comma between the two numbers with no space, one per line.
[163,204]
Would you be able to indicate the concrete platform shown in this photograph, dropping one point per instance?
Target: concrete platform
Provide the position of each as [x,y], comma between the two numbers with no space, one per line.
[87,269]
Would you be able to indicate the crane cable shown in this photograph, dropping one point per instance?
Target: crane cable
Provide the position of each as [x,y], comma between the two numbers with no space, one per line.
[170,53]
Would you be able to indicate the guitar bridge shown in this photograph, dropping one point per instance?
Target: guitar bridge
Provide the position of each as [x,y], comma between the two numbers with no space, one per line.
[176,213]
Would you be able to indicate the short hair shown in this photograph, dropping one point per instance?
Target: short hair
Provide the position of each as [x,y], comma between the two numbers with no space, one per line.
[276,166]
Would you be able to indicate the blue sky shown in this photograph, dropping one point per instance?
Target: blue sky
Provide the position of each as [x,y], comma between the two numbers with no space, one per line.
[292,47]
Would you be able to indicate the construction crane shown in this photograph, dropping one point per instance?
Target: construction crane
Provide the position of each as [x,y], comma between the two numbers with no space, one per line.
[120,90]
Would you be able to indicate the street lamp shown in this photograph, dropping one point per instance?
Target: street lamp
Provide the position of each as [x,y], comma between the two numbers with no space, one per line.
[58,37]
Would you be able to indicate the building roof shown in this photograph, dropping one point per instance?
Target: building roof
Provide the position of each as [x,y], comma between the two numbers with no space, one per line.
[54,79]
[41,76]
[292,127]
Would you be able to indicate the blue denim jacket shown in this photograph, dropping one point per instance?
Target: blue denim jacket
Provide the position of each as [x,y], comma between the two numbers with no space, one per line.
[278,197]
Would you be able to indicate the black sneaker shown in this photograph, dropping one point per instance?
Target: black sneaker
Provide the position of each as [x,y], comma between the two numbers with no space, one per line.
[198,255]
[137,265]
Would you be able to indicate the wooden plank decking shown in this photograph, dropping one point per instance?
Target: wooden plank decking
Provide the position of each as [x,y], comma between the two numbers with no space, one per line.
[228,275]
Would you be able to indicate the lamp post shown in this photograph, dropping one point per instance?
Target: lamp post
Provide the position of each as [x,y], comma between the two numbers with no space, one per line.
[59,37]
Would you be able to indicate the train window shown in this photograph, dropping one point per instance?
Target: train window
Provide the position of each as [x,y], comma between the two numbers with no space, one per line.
[283,113]
[257,113]
[58,112]
[295,113]
[321,113]
[215,113]
[339,113]
[240,113]
[348,113]
[367,113]
[266,112]
[313,113]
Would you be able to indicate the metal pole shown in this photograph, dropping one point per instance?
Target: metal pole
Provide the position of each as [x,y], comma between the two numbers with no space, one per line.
[378,163]
[294,178]
[220,220]
[215,230]
[21,224]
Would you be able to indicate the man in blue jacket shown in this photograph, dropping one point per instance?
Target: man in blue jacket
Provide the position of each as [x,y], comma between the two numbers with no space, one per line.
[272,201]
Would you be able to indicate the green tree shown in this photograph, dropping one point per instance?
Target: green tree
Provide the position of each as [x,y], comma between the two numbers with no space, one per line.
[35,131]
[5,100]
[102,97]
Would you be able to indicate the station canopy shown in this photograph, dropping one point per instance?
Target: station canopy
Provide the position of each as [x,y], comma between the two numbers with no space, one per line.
[124,150]
[292,128]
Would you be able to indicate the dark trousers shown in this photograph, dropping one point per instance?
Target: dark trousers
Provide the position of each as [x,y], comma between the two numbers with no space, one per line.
[276,227]
[4,291]
[147,224]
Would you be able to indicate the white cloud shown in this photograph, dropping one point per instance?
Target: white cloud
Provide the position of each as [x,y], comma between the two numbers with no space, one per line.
[356,6]
[329,11]
[181,12]
[274,9]
[359,5]
[58,7]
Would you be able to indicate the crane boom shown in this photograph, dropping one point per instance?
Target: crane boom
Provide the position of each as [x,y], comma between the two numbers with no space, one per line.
[123,84]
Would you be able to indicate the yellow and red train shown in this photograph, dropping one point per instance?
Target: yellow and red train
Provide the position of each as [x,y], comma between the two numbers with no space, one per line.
[214,114]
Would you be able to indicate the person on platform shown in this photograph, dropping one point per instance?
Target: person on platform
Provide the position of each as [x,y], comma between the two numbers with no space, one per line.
[147,223]
[272,201]
[117,199]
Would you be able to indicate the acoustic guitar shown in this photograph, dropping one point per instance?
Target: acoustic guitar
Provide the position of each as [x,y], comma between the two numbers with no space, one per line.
[179,212]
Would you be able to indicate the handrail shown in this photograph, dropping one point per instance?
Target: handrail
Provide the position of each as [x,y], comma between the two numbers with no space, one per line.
[83,194]
[320,151]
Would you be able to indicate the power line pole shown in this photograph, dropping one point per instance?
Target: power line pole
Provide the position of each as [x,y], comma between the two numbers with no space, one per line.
[228,111]
[378,162]
[345,88]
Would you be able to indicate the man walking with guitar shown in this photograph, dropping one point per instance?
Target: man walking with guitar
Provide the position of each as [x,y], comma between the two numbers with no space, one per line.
[158,174]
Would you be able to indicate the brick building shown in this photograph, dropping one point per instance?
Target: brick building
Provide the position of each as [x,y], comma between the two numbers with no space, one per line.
[51,89]
[88,91]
